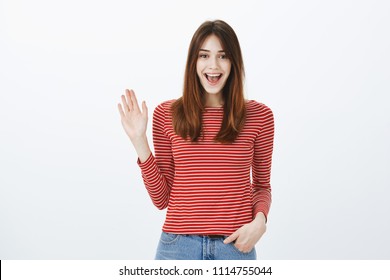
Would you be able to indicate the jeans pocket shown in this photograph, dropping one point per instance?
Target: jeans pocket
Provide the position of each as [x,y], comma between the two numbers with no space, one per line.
[238,251]
[169,238]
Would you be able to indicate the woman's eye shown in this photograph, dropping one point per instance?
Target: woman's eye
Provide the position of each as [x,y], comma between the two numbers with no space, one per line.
[202,55]
[223,56]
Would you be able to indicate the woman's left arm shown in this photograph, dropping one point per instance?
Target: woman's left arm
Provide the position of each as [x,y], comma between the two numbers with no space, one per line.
[249,234]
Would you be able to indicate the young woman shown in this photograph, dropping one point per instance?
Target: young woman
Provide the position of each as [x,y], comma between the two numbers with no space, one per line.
[207,145]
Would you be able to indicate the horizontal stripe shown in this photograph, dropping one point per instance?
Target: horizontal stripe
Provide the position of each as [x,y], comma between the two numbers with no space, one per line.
[208,187]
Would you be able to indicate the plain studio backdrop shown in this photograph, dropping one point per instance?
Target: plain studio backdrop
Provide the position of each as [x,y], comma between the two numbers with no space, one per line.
[70,187]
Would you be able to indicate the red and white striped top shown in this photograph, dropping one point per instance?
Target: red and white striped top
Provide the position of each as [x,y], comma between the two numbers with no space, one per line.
[207,186]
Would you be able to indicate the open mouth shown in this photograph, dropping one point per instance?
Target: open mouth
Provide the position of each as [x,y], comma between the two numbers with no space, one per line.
[213,78]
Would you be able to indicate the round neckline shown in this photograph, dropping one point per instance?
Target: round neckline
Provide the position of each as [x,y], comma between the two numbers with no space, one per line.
[209,107]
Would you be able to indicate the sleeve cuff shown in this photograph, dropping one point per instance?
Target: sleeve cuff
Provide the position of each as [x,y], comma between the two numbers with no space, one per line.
[262,211]
[147,162]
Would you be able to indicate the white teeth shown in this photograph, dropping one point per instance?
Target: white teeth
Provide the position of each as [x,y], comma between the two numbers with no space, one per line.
[213,78]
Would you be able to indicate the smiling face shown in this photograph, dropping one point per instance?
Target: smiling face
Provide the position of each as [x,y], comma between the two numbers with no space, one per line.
[212,66]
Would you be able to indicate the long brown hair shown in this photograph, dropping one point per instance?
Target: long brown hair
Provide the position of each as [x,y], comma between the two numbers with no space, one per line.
[187,110]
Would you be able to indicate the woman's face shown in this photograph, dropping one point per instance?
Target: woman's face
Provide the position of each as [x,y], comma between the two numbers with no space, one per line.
[212,67]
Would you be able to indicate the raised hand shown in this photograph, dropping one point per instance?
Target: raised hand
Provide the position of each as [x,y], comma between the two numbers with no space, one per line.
[134,122]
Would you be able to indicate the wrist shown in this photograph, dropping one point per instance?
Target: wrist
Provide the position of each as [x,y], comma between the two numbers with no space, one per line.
[139,139]
[260,217]
[141,146]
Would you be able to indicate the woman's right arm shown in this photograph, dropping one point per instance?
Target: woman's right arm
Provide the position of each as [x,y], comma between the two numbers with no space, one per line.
[134,123]
[157,172]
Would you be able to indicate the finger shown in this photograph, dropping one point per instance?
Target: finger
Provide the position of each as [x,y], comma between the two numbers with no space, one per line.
[125,105]
[134,100]
[231,238]
[129,102]
[121,111]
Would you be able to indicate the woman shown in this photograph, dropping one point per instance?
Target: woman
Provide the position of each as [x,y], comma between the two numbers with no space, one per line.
[207,143]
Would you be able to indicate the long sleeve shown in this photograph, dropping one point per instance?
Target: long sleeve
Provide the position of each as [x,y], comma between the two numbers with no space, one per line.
[207,186]
[158,171]
[261,166]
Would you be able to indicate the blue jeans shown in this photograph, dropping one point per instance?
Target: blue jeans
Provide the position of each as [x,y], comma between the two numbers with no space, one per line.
[197,247]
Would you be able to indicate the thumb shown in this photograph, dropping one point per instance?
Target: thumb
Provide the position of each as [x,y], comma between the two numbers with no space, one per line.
[231,238]
[144,108]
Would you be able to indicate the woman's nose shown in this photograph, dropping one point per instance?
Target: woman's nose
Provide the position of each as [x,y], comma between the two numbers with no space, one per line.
[213,63]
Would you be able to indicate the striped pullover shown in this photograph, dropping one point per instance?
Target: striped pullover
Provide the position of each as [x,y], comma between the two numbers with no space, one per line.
[209,187]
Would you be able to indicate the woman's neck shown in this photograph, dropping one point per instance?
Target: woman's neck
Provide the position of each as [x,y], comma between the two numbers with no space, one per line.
[214,100]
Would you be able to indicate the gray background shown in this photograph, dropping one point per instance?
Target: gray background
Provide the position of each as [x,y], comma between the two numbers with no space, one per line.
[70,187]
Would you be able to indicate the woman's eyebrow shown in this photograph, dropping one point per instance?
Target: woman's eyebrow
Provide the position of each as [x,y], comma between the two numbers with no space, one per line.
[204,50]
